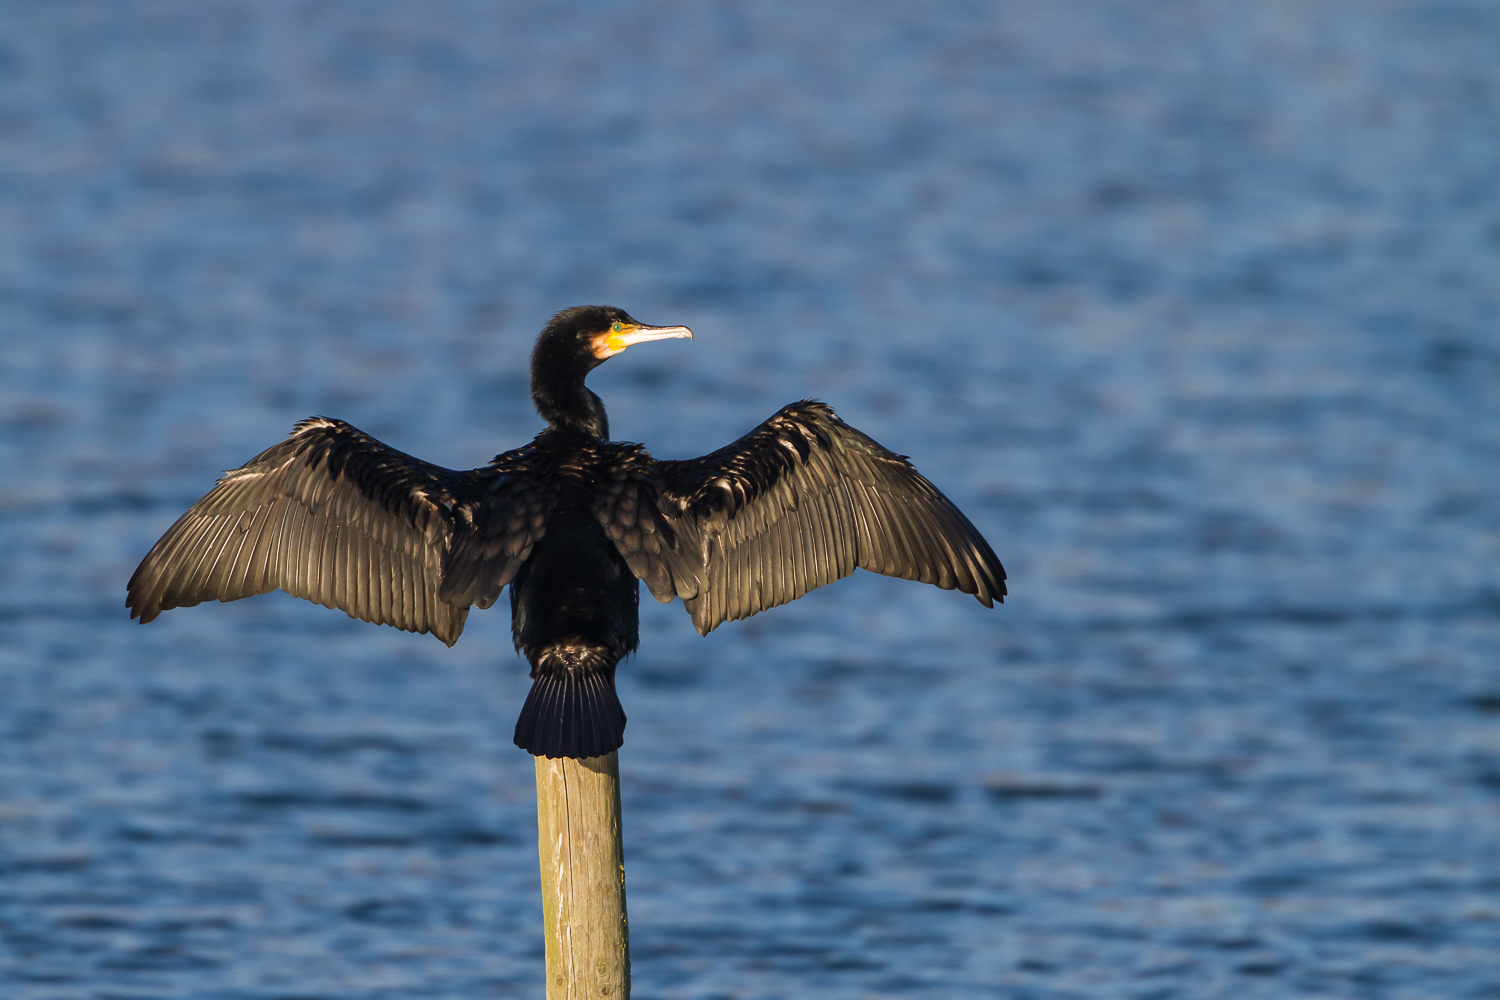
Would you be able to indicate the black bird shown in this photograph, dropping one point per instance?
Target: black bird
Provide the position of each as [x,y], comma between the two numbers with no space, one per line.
[571,521]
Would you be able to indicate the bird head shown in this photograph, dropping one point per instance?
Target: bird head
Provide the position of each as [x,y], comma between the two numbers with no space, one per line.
[574,343]
[593,334]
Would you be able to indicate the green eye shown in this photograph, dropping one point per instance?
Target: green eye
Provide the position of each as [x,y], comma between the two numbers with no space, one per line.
[615,328]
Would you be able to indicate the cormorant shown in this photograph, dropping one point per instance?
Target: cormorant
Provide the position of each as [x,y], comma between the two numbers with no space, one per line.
[571,522]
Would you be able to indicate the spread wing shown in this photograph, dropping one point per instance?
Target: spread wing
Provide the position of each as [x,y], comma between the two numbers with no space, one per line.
[797,503]
[334,516]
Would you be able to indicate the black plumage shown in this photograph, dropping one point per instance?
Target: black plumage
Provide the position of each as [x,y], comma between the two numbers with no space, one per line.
[570,522]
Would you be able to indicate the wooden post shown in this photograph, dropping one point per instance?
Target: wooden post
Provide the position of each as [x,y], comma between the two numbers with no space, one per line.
[583,878]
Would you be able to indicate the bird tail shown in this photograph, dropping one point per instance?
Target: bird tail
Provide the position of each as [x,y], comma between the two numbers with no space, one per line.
[571,713]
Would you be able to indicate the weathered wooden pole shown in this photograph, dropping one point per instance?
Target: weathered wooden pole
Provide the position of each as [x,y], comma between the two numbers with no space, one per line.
[583,877]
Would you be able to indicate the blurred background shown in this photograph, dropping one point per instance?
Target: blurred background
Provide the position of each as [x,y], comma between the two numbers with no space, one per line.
[1190,306]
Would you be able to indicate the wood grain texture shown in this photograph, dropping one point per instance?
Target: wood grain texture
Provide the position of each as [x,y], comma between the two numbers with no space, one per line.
[583,878]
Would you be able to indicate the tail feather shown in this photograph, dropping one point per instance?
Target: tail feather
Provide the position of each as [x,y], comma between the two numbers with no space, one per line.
[571,713]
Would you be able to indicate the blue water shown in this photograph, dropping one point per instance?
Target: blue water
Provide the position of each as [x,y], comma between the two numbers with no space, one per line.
[1190,306]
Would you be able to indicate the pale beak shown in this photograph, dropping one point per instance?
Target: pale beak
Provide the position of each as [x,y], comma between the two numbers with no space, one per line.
[609,343]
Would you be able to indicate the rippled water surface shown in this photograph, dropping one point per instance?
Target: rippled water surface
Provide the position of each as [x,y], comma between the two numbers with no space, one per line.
[1191,306]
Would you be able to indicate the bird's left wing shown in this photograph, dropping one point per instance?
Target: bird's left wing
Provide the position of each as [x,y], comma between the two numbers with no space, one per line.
[336,517]
[799,502]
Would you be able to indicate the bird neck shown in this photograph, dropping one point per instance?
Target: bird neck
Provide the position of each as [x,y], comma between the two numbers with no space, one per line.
[583,413]
[561,398]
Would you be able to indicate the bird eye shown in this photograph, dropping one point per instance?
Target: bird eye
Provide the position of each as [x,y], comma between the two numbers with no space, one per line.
[615,327]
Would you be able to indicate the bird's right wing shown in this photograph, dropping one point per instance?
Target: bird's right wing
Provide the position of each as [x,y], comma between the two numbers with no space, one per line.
[799,502]
[334,516]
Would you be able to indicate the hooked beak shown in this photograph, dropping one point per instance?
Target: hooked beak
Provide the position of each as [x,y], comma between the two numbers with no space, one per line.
[609,343]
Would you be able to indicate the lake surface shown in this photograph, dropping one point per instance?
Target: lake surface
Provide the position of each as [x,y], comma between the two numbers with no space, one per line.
[1191,307]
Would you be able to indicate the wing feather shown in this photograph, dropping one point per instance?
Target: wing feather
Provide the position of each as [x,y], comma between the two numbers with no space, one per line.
[334,516]
[255,567]
[797,503]
[237,576]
